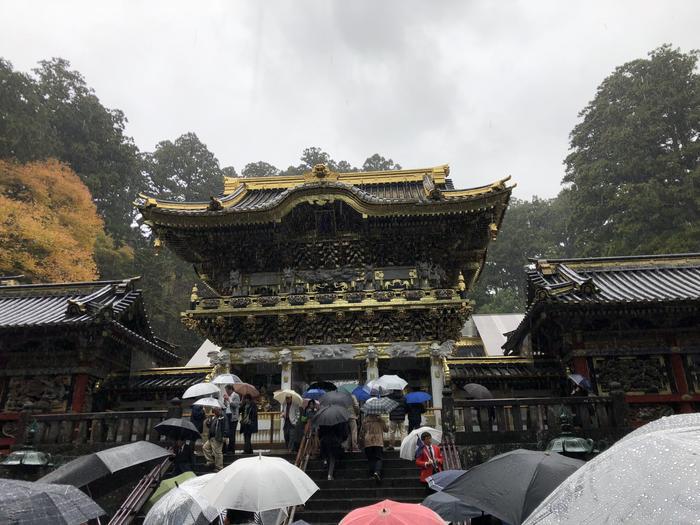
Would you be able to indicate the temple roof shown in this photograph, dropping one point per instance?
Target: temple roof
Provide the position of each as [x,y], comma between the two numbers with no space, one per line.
[616,279]
[173,378]
[645,279]
[74,305]
[474,370]
[427,190]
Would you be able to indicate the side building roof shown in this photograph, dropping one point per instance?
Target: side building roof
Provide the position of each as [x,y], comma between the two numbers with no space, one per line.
[112,304]
[646,279]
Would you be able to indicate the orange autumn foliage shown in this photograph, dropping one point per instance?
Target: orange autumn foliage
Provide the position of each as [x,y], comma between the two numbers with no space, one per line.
[48,223]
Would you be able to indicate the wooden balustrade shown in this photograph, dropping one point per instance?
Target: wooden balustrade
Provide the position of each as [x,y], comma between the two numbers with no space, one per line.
[491,421]
[95,428]
[113,428]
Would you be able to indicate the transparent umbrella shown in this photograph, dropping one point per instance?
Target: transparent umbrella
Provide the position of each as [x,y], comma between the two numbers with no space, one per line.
[226,379]
[652,477]
[183,505]
[199,390]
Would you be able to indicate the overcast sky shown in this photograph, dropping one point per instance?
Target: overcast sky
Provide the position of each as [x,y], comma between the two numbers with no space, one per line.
[492,88]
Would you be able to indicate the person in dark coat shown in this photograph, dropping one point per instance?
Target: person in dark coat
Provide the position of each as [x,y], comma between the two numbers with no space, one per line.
[415,413]
[197,417]
[396,419]
[331,438]
[184,457]
[248,419]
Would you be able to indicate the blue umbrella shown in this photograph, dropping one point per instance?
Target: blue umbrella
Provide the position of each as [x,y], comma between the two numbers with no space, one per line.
[313,393]
[581,381]
[361,394]
[418,397]
[440,480]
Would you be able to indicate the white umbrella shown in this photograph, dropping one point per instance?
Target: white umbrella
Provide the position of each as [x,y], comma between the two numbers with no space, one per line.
[652,477]
[281,395]
[226,379]
[258,484]
[199,390]
[183,505]
[410,442]
[208,402]
[390,382]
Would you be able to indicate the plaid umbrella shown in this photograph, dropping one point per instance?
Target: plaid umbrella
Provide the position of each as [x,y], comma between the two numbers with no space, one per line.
[379,405]
[33,503]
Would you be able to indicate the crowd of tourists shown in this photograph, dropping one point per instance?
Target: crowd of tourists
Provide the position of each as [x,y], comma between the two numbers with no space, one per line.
[330,433]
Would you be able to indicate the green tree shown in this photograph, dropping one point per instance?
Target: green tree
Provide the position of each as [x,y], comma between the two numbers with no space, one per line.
[260,169]
[91,139]
[25,130]
[535,228]
[378,163]
[634,166]
[184,170]
[315,155]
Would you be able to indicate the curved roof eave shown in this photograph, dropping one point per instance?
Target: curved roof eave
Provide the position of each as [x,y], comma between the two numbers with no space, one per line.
[450,201]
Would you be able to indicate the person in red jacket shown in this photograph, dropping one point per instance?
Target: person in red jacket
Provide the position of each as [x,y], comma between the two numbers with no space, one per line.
[428,457]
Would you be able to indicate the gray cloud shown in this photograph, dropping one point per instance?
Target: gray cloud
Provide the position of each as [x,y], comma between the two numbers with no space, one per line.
[493,88]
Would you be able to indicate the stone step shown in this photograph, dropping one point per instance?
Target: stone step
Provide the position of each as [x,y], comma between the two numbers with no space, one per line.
[341,473]
[362,463]
[386,482]
[347,504]
[372,490]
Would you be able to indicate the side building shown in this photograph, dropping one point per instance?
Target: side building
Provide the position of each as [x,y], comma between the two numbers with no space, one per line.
[631,320]
[59,342]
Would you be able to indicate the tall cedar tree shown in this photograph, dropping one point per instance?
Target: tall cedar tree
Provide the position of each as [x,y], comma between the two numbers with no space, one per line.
[634,166]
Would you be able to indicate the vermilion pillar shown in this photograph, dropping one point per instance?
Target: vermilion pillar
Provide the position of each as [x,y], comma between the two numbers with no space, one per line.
[580,366]
[80,385]
[681,382]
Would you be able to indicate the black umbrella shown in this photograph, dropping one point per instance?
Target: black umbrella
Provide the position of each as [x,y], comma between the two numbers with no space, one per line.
[476,391]
[336,397]
[178,428]
[323,385]
[331,415]
[27,503]
[450,508]
[87,469]
[512,485]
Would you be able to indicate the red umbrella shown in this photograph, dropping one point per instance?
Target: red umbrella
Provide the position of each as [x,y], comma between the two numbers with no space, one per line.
[389,512]
[245,388]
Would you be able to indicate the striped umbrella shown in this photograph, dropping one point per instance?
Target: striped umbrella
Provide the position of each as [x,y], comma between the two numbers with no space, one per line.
[379,405]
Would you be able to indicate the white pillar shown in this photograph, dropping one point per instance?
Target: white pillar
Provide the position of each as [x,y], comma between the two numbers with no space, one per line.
[437,382]
[372,363]
[286,363]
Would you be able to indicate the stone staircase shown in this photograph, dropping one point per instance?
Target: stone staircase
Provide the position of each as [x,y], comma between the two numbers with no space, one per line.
[351,487]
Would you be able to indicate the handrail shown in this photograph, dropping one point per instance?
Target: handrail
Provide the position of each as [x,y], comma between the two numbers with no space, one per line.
[140,494]
[531,401]
[77,416]
[301,461]
[527,420]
